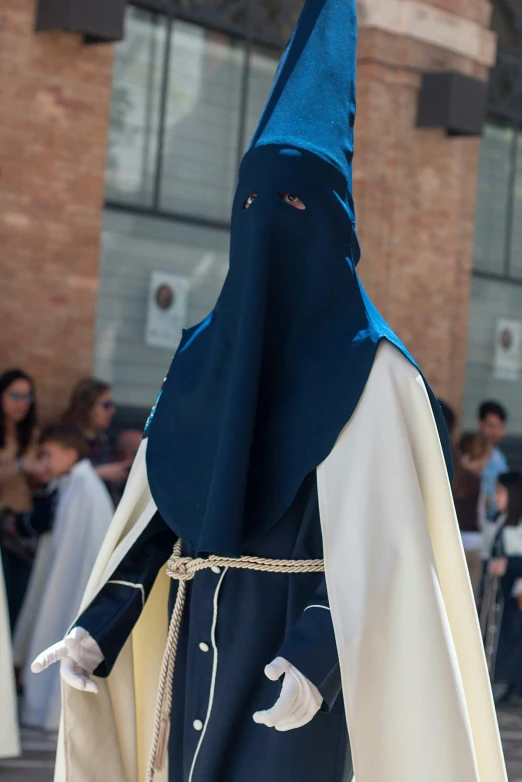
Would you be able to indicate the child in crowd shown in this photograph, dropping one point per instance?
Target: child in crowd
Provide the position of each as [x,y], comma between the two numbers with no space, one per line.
[474,452]
[78,519]
[503,550]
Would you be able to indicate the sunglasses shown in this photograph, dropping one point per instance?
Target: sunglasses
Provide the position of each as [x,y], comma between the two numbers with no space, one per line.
[16,396]
[108,405]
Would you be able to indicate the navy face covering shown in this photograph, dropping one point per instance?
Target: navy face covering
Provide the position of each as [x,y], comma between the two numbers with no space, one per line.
[258,393]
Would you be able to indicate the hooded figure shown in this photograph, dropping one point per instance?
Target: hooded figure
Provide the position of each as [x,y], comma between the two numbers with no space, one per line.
[293,433]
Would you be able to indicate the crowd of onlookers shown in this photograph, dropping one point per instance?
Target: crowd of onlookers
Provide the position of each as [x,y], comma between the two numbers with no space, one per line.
[58,489]
[488,503]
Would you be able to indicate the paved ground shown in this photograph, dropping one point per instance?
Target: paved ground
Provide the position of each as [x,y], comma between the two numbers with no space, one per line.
[36,765]
[37,762]
[510,721]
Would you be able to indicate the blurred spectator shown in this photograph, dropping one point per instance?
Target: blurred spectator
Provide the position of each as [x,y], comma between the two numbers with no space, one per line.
[18,466]
[32,528]
[471,457]
[91,409]
[503,621]
[492,418]
[127,444]
[79,520]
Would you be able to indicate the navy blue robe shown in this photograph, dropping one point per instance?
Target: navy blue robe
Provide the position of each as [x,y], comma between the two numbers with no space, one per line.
[235,622]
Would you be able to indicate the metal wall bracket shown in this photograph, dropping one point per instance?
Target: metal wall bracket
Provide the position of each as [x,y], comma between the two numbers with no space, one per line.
[452,101]
[100,21]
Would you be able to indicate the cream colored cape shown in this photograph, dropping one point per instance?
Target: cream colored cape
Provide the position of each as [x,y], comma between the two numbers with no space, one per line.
[416,689]
[9,736]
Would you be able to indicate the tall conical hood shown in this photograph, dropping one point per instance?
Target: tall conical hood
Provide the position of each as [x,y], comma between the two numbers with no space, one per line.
[259,391]
[312,102]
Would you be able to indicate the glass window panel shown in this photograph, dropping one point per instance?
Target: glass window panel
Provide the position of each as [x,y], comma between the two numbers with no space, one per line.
[491,300]
[275,20]
[202,122]
[263,66]
[516,231]
[133,246]
[492,198]
[134,123]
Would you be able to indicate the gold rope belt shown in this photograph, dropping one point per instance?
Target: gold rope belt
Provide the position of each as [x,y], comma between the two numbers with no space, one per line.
[184,569]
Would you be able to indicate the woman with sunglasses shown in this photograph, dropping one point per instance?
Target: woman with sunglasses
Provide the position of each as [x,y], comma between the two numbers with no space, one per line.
[92,409]
[19,467]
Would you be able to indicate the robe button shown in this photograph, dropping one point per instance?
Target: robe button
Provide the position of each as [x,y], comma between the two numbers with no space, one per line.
[204,647]
[198,725]
[215,569]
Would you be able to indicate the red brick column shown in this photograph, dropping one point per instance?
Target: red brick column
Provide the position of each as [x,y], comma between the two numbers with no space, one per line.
[415,188]
[55,100]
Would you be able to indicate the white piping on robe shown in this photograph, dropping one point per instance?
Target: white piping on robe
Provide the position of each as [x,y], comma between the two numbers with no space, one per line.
[214,674]
[130,584]
[325,608]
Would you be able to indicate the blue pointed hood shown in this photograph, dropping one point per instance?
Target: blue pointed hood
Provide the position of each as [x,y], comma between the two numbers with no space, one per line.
[310,112]
[312,102]
[259,392]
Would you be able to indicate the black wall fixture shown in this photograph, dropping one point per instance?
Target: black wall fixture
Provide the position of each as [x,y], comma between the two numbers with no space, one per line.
[452,101]
[100,21]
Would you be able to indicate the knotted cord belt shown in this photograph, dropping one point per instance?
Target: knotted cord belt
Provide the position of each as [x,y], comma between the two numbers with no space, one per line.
[184,569]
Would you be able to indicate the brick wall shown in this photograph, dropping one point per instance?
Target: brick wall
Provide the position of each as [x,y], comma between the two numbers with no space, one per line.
[55,98]
[415,197]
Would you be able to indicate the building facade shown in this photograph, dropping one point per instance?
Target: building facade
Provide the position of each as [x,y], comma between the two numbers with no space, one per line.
[494,351]
[119,165]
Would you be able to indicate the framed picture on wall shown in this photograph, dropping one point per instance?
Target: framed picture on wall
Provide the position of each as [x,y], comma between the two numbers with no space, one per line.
[508,349]
[166,310]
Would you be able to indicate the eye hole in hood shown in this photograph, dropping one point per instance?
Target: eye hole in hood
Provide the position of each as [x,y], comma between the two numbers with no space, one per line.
[249,201]
[292,200]
[288,198]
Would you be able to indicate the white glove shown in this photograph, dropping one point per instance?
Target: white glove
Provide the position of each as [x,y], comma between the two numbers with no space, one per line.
[299,702]
[79,656]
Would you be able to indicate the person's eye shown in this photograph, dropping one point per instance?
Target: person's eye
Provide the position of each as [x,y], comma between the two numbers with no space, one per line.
[293,200]
[250,200]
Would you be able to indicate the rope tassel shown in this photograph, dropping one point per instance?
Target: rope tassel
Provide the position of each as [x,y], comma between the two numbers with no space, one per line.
[163,743]
[184,569]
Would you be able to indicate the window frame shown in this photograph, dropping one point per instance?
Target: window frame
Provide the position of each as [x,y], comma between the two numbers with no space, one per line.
[168,12]
[505,108]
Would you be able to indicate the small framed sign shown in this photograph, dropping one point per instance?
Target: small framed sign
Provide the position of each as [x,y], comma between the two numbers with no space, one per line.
[508,349]
[167,309]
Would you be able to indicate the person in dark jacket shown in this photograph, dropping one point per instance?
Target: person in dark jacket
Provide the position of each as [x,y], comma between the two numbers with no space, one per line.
[501,615]
[472,455]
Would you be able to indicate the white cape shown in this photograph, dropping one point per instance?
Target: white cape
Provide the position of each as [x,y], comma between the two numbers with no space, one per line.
[416,689]
[9,737]
[83,515]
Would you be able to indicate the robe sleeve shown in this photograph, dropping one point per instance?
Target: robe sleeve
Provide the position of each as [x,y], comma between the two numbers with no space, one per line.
[112,615]
[415,684]
[311,648]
